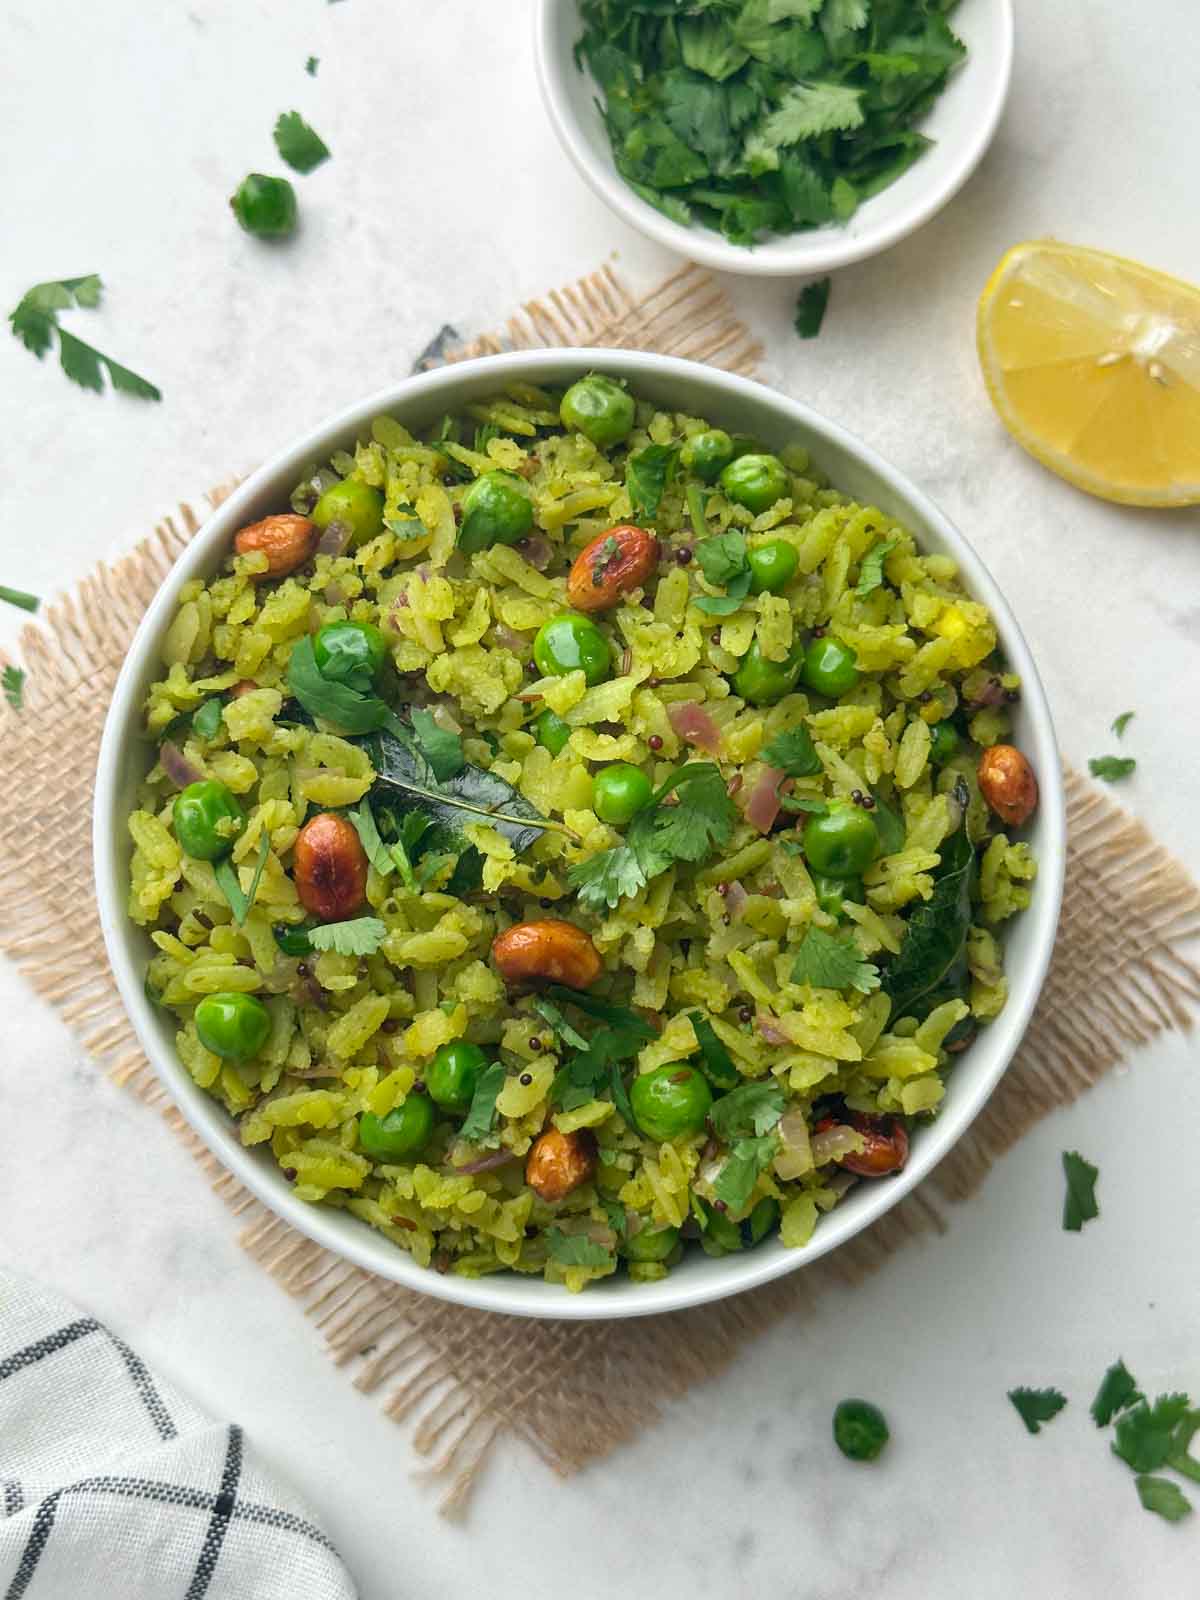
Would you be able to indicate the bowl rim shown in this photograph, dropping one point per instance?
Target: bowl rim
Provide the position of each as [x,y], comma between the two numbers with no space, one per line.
[510,1293]
[817,251]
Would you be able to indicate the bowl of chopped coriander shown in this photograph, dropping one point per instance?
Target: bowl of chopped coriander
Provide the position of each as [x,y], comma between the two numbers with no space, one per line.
[776,137]
[578,834]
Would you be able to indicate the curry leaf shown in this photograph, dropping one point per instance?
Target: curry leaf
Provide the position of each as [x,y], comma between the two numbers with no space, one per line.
[441,748]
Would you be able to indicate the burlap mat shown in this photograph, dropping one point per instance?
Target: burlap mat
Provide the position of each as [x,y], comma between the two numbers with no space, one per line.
[462,1378]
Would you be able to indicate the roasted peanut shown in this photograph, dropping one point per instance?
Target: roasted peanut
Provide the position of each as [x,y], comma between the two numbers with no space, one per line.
[610,566]
[549,951]
[560,1162]
[331,868]
[885,1143]
[287,541]
[241,687]
[1007,783]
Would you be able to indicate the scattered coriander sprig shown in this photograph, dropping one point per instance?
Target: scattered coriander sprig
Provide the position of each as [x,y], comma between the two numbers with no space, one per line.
[1118,1390]
[1122,722]
[230,885]
[1111,768]
[1079,1202]
[311,65]
[829,962]
[870,572]
[810,308]
[362,936]
[1036,1406]
[299,145]
[35,323]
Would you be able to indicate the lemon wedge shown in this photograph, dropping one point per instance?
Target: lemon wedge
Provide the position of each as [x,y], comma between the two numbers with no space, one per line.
[1093,363]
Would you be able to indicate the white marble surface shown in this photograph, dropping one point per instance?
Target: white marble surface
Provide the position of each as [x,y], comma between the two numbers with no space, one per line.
[125,127]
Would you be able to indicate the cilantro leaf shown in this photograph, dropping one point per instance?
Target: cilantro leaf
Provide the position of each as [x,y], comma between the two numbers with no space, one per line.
[35,321]
[792,753]
[725,605]
[609,877]
[549,1012]
[723,557]
[1118,1390]
[747,1159]
[1163,1497]
[1122,722]
[1111,768]
[870,572]
[18,597]
[1079,1204]
[620,1097]
[1145,1434]
[13,684]
[889,825]
[830,962]
[378,853]
[1035,1406]
[1179,1459]
[350,709]
[361,936]
[206,719]
[311,65]
[753,1109]
[576,1250]
[298,144]
[482,1114]
[442,749]
[716,1062]
[603,1011]
[839,20]
[807,110]
[810,307]
[230,884]
[647,475]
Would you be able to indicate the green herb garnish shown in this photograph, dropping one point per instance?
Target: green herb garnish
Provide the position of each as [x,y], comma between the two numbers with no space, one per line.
[647,475]
[311,65]
[810,308]
[18,597]
[13,684]
[725,563]
[230,884]
[870,572]
[1146,1433]
[350,709]
[749,1111]
[747,1159]
[361,936]
[576,1250]
[442,749]
[206,719]
[1163,1497]
[299,145]
[831,961]
[715,1061]
[1122,722]
[792,753]
[482,1114]
[1118,1390]
[35,322]
[932,964]
[1111,768]
[1035,1406]
[702,821]
[1079,1203]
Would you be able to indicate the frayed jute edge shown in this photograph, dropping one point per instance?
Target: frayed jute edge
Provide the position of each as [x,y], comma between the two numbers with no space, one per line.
[459,1378]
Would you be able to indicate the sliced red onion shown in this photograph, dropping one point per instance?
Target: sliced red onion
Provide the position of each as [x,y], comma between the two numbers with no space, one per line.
[335,541]
[694,726]
[508,638]
[537,551]
[761,809]
[497,1158]
[769,1028]
[335,595]
[735,898]
[992,694]
[177,766]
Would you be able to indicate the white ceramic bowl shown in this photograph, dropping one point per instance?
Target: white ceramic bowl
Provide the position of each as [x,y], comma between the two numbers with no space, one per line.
[961,122]
[741,407]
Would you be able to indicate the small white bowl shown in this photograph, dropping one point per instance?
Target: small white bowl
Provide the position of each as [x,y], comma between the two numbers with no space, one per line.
[740,406]
[962,122]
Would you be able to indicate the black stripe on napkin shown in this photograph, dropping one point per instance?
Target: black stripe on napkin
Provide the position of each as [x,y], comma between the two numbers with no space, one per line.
[147,1389]
[48,1346]
[223,1508]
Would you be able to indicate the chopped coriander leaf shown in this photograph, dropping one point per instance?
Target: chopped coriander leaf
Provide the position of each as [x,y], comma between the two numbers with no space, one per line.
[1146,1434]
[1163,1497]
[1111,768]
[442,749]
[378,853]
[549,1012]
[299,145]
[1122,722]
[576,1250]
[482,1115]
[810,308]
[311,65]
[13,684]
[360,937]
[1035,1406]
[1118,1390]
[715,1061]
[747,1159]
[206,719]
[18,597]
[723,557]
[831,962]
[792,753]
[1179,1459]
[752,1109]
[870,573]
[1079,1204]
[35,322]
[647,475]
[230,884]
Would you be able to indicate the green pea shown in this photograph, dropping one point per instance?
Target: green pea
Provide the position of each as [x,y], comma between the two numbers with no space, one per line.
[207,820]
[760,1222]
[403,1132]
[841,843]
[356,506]
[944,743]
[763,682]
[496,510]
[550,731]
[599,409]
[453,1074]
[265,206]
[619,792]
[860,1429]
[720,1236]
[351,653]
[670,1102]
[704,454]
[829,667]
[652,1244]
[233,1026]
[567,643]
[755,481]
[832,893]
[772,566]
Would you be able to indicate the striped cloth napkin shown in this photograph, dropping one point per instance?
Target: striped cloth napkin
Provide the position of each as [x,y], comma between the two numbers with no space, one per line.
[112,1483]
